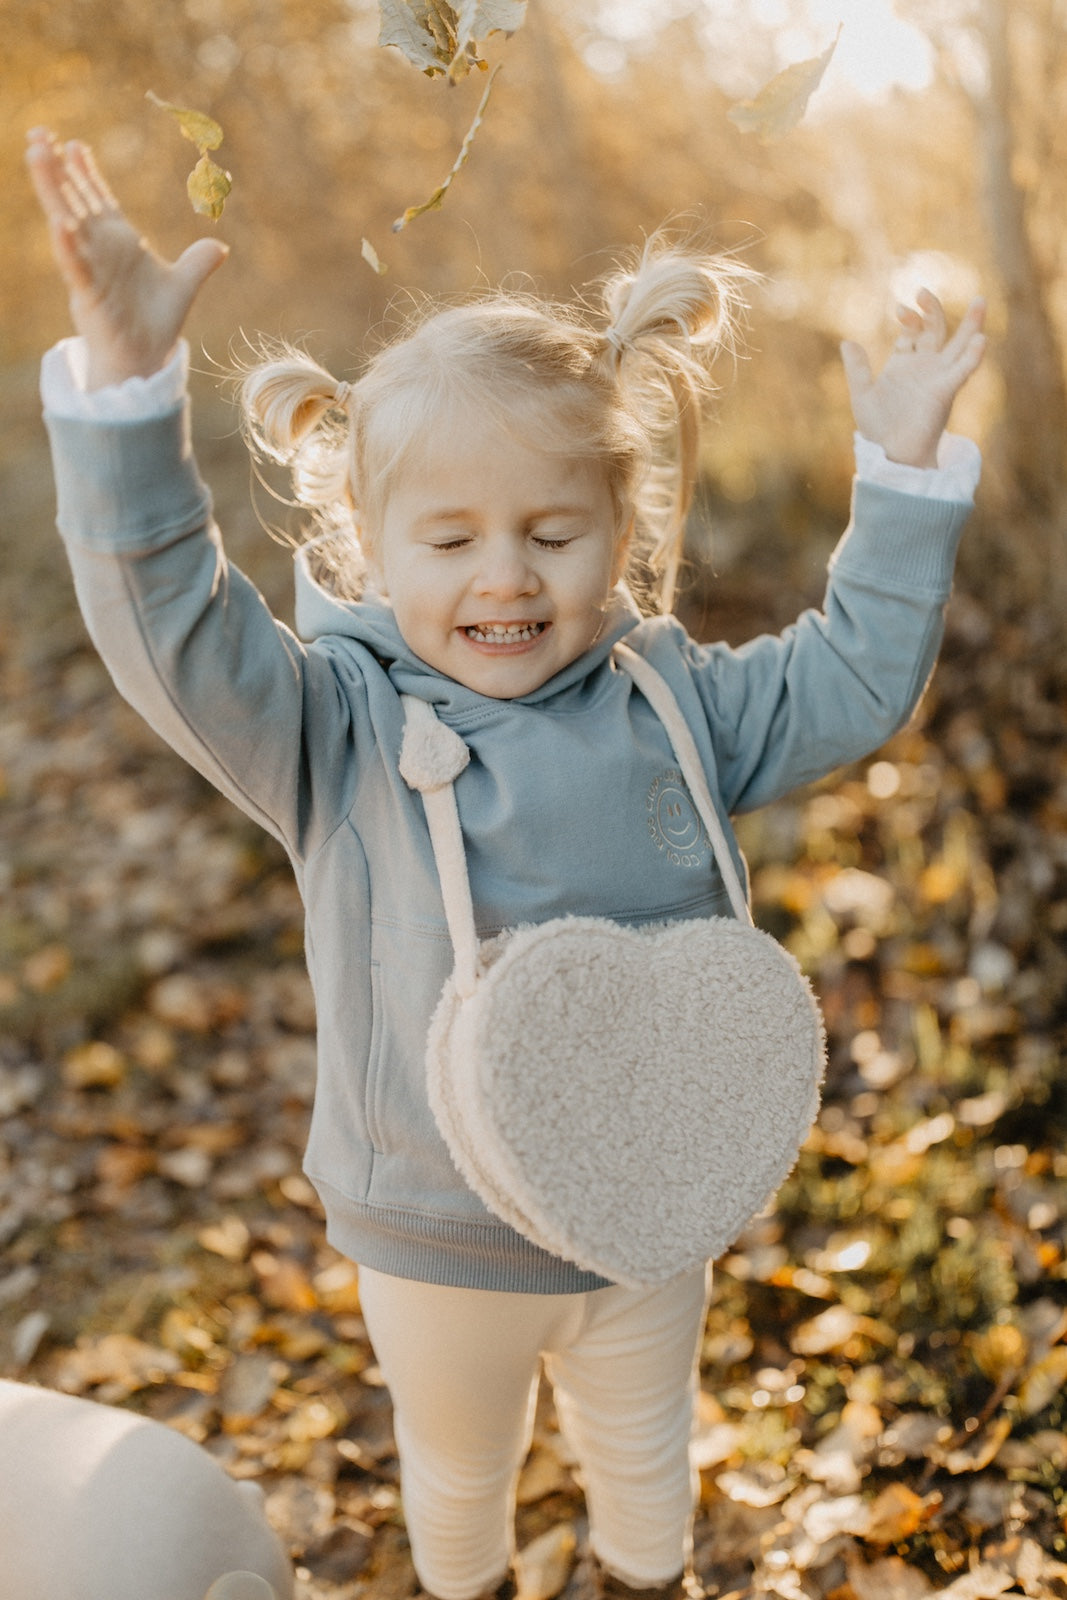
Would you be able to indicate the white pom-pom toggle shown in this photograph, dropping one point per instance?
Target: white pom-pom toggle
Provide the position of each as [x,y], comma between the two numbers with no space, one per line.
[431,755]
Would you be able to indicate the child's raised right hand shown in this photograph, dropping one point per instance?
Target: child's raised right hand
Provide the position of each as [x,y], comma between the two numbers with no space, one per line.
[127,303]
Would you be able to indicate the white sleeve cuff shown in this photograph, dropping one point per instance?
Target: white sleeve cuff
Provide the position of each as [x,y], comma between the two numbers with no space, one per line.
[959,465]
[63,391]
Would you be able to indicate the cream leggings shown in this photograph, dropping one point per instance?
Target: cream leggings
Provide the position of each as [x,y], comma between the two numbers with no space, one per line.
[462,1367]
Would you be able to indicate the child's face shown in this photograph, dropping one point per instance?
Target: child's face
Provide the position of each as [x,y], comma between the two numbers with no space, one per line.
[498,558]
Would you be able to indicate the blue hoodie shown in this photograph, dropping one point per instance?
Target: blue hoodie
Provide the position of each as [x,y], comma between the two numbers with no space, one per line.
[572,802]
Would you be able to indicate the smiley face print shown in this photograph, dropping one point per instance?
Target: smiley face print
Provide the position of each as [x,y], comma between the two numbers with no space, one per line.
[673,824]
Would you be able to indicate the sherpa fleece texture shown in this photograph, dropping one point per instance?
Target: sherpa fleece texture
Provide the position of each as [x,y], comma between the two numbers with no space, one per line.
[540,1082]
[571,804]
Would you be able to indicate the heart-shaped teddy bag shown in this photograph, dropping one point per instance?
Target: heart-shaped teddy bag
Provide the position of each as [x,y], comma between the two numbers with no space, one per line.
[626,1098]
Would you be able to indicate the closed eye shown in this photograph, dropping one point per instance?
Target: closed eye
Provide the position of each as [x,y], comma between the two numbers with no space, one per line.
[545,543]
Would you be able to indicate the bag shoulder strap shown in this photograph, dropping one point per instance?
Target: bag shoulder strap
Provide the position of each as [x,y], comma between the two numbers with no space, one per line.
[661,698]
[432,757]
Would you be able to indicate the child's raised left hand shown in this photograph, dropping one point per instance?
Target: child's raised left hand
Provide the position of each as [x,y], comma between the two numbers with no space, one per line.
[906,407]
[127,303]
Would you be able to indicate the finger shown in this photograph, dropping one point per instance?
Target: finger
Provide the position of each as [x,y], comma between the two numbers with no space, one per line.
[968,359]
[971,323]
[66,247]
[47,169]
[196,264]
[90,182]
[858,374]
[934,322]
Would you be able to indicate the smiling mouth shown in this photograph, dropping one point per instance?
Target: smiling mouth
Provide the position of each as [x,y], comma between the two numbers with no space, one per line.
[504,632]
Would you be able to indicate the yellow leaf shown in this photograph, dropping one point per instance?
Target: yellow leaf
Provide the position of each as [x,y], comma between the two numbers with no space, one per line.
[1044,1382]
[999,1350]
[895,1515]
[980,1450]
[208,186]
[543,1567]
[436,199]
[197,126]
[95,1065]
[780,104]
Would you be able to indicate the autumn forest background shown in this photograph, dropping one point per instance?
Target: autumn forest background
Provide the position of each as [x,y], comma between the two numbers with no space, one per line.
[884,1412]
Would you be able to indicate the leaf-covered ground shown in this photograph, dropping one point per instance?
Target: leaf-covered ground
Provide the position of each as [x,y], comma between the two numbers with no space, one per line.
[883,1414]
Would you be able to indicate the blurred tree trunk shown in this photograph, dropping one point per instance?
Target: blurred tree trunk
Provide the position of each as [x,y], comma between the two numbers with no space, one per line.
[1032,357]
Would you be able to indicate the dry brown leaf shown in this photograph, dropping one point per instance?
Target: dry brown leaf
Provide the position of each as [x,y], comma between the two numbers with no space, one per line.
[543,1474]
[436,199]
[284,1283]
[915,1434]
[116,1361]
[780,104]
[228,1238]
[889,1579]
[980,1450]
[1000,1350]
[985,1582]
[120,1166]
[759,1486]
[93,1066]
[247,1389]
[543,1567]
[1044,1382]
[895,1515]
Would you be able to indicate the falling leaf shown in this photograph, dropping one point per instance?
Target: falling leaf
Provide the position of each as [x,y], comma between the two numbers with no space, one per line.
[197,127]
[476,20]
[208,185]
[370,256]
[780,104]
[439,38]
[435,200]
[408,28]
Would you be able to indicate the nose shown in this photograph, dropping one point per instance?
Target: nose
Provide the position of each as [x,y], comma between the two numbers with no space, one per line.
[505,572]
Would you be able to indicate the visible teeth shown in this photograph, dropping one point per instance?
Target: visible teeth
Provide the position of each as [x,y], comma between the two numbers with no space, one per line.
[504,632]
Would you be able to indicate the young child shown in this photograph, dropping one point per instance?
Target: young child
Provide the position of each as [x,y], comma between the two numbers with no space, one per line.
[491,482]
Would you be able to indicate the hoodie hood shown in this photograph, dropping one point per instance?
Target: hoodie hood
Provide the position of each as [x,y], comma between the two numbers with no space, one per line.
[371,622]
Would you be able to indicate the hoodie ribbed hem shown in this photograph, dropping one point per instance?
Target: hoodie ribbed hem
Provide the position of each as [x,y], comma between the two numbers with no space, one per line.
[458,1252]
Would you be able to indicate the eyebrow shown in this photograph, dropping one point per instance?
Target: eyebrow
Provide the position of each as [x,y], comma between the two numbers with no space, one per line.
[464,514]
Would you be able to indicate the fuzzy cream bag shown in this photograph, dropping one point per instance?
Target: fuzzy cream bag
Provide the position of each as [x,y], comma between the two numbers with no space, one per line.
[627,1098]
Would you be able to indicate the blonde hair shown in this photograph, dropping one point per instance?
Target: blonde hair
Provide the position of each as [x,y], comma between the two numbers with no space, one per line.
[624,382]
